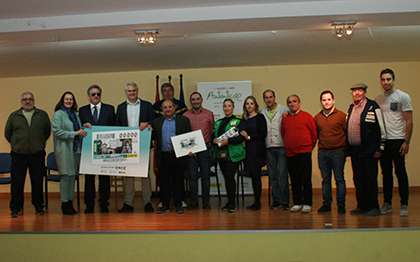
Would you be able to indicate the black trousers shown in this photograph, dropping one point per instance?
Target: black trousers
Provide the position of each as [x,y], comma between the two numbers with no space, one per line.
[365,178]
[37,171]
[104,190]
[171,179]
[392,155]
[300,170]
[229,170]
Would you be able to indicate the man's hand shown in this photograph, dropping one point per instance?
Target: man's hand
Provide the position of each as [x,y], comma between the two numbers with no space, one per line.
[191,154]
[404,149]
[143,126]
[377,155]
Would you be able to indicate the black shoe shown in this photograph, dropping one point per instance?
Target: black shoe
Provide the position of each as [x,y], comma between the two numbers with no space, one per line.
[373,213]
[193,205]
[357,211]
[180,210]
[284,206]
[324,209]
[341,209]
[126,208]
[164,209]
[89,210]
[67,208]
[275,205]
[71,207]
[104,210]
[226,207]
[40,212]
[148,208]
[254,207]
[206,205]
[14,214]
[231,208]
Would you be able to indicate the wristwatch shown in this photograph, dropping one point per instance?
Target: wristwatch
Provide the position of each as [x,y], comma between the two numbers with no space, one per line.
[407,141]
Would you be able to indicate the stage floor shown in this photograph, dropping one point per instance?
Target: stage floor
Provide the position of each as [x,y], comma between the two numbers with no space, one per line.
[202,220]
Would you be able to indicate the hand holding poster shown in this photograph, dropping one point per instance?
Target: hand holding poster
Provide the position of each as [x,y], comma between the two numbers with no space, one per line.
[122,151]
[188,142]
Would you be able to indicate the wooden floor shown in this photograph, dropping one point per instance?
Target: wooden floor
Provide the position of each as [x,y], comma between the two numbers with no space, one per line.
[214,219]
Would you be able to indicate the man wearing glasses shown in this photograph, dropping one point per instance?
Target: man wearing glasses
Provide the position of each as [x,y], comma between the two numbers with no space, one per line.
[27,131]
[100,114]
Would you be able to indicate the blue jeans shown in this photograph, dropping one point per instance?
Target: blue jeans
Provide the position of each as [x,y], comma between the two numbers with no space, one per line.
[328,162]
[202,160]
[277,171]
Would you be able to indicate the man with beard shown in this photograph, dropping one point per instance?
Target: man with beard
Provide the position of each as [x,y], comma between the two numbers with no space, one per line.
[27,131]
[200,119]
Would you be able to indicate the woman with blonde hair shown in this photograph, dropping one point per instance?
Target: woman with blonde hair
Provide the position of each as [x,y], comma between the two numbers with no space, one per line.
[254,133]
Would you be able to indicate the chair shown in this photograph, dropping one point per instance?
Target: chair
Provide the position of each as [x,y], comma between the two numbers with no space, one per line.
[52,166]
[241,174]
[5,168]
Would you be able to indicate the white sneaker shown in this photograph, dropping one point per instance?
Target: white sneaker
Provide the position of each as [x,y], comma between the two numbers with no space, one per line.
[160,205]
[296,208]
[306,209]
[184,204]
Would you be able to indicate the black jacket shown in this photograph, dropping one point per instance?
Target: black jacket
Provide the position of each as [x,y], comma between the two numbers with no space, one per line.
[372,130]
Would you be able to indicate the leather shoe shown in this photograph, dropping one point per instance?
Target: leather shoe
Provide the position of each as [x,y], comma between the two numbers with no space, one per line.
[206,205]
[104,210]
[126,208]
[148,208]
[192,205]
[324,209]
[89,210]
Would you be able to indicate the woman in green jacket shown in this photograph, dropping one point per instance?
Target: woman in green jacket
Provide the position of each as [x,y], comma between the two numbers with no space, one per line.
[235,148]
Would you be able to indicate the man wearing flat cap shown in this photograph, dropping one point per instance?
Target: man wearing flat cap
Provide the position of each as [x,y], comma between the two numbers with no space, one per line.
[364,144]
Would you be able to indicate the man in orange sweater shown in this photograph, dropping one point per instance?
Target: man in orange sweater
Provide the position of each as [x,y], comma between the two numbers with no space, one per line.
[298,130]
[331,127]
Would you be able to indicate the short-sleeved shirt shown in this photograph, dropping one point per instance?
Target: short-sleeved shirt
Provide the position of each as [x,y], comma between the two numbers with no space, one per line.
[392,107]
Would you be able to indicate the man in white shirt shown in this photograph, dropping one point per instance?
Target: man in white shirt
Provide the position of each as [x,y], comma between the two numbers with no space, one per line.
[398,117]
[135,113]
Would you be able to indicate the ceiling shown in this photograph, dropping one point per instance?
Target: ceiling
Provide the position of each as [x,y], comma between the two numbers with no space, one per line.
[98,36]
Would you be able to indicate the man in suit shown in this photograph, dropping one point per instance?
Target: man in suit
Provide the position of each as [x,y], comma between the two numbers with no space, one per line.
[171,168]
[97,113]
[135,113]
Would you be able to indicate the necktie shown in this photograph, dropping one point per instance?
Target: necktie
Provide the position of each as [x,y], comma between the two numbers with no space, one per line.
[95,114]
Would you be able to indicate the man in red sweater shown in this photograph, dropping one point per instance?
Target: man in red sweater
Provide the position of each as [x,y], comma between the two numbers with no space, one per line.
[298,130]
[331,127]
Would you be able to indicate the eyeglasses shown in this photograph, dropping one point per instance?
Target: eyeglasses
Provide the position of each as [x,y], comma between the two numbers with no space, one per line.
[95,94]
[28,99]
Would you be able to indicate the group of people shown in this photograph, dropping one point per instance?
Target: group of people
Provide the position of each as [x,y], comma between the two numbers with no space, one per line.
[277,136]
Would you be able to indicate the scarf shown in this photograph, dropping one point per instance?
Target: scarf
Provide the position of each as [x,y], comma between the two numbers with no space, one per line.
[76,126]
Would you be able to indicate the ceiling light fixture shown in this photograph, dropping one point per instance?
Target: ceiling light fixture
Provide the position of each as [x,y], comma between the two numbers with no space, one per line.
[343,28]
[146,37]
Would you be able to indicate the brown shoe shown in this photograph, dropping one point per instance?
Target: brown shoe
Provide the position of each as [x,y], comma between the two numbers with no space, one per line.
[206,205]
[192,205]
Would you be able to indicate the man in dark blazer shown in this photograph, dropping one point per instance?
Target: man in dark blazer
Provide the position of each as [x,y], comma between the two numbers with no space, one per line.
[135,113]
[97,113]
[171,168]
